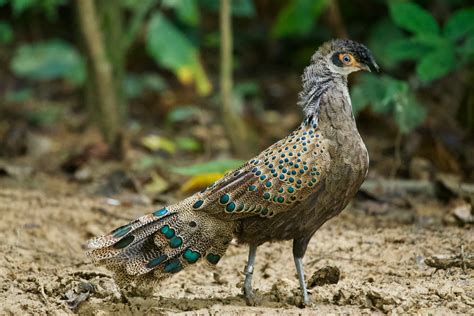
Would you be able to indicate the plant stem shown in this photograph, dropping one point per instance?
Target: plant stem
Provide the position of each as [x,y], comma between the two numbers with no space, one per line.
[107,103]
[234,125]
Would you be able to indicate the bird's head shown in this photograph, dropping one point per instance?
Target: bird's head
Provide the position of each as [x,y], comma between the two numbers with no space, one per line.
[345,56]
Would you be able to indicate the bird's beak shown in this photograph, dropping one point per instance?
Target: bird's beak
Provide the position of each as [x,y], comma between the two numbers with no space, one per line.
[369,65]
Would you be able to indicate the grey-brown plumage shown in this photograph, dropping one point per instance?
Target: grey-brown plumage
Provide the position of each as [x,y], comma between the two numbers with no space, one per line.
[285,193]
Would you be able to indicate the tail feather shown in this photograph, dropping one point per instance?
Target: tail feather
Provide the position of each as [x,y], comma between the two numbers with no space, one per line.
[156,245]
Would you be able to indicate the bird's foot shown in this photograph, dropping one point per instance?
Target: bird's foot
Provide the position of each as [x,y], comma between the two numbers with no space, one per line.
[251,298]
[302,300]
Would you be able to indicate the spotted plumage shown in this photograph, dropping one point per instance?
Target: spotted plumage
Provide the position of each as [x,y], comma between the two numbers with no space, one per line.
[286,192]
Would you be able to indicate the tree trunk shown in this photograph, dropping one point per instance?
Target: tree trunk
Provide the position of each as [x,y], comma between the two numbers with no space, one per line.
[106,99]
[234,125]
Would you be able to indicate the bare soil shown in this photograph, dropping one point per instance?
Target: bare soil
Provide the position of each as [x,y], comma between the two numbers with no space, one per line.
[43,269]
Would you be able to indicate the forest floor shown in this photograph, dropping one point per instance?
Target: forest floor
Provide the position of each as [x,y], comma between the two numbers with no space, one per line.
[43,268]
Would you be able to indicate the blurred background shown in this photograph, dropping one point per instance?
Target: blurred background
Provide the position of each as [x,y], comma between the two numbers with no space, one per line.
[151,99]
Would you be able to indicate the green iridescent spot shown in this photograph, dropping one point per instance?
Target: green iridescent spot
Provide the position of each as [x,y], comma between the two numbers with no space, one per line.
[161,212]
[226,198]
[281,199]
[266,195]
[121,231]
[241,207]
[230,207]
[258,208]
[314,180]
[212,258]
[282,176]
[198,204]
[275,198]
[167,231]
[291,190]
[291,179]
[310,184]
[264,211]
[298,186]
[280,190]
[268,184]
[176,241]
[154,262]
[191,256]
[252,188]
[262,177]
[122,243]
[298,181]
[173,267]
[301,171]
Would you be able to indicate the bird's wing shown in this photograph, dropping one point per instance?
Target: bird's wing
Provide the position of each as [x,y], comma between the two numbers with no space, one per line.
[275,181]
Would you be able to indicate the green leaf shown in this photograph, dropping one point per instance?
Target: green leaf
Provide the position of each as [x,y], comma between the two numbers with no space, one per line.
[19,6]
[413,18]
[407,48]
[6,33]
[242,8]
[467,48]
[436,64]
[186,10]
[460,24]
[298,17]
[171,49]
[183,113]
[48,60]
[136,84]
[382,33]
[216,166]
[188,144]
[408,113]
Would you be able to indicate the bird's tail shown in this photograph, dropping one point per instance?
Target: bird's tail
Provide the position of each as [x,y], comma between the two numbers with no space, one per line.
[161,243]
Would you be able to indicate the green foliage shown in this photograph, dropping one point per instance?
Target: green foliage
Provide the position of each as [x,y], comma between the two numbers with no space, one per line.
[136,84]
[187,11]
[216,166]
[183,113]
[298,17]
[54,59]
[48,7]
[6,33]
[436,53]
[240,8]
[387,95]
[171,49]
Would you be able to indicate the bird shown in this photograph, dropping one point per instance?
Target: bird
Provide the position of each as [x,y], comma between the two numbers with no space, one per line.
[287,192]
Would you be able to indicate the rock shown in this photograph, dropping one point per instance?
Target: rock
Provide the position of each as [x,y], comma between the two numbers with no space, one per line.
[325,275]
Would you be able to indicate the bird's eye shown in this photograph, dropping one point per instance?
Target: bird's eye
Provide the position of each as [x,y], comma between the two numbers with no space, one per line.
[346,58]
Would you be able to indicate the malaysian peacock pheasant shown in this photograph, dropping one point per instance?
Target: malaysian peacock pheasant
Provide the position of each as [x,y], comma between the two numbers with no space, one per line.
[285,193]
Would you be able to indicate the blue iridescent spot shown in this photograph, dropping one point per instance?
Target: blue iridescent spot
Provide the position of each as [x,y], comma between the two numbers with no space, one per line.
[191,256]
[262,177]
[291,190]
[293,172]
[282,176]
[298,181]
[230,207]
[286,159]
[281,161]
[284,170]
[270,165]
[124,242]
[280,190]
[225,198]
[198,204]
[258,173]
[167,231]
[173,267]
[251,188]
[121,231]
[154,262]
[212,258]
[272,170]
[291,179]
[175,242]
[301,171]
[282,155]
[268,184]
[266,195]
[297,165]
[254,169]
[160,212]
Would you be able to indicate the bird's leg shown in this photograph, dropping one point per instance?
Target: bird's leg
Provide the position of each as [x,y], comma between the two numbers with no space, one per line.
[248,292]
[300,272]
[299,249]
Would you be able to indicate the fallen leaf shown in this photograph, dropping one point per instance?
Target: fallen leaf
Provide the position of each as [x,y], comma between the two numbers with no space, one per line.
[200,181]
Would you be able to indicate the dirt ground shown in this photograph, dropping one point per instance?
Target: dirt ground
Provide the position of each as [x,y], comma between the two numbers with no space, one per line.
[43,269]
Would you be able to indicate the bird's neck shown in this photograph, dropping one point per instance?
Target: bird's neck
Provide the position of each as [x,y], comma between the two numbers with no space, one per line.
[325,96]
